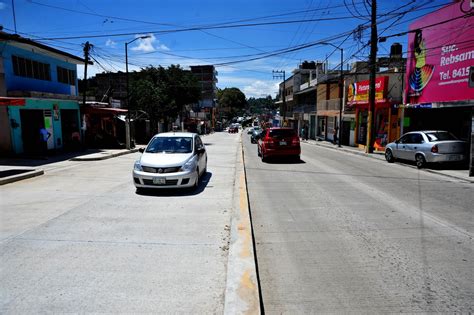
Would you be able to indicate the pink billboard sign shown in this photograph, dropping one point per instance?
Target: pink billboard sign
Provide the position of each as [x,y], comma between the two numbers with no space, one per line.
[439,56]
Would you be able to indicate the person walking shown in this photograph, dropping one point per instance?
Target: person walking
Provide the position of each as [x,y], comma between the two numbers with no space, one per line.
[334,135]
[44,137]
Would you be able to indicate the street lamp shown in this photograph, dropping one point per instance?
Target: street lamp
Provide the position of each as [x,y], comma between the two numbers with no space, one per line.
[127,120]
[341,84]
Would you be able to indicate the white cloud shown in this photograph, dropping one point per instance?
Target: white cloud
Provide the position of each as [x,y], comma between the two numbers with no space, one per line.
[261,88]
[110,43]
[164,47]
[145,44]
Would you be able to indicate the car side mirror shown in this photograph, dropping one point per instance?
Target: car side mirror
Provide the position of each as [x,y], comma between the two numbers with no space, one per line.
[201,150]
[141,150]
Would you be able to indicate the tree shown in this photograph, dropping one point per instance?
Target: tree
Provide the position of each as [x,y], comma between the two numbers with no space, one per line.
[261,105]
[163,92]
[231,100]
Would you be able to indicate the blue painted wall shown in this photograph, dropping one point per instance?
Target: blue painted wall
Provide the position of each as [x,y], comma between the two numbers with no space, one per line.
[17,83]
[14,113]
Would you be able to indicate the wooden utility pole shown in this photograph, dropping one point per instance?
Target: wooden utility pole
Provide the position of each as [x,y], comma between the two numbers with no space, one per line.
[87,48]
[373,71]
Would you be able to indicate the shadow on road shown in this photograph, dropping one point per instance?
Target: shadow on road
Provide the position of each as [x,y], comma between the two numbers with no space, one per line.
[36,160]
[173,192]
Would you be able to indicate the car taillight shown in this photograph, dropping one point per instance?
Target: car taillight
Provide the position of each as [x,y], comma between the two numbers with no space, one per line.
[295,141]
[434,149]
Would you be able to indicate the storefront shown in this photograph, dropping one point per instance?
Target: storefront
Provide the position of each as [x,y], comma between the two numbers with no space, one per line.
[437,93]
[386,115]
[24,117]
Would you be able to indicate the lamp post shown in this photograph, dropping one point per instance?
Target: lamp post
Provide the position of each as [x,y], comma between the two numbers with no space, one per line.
[341,85]
[127,120]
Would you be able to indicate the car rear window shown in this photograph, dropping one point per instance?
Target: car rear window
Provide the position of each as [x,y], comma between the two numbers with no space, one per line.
[279,133]
[440,136]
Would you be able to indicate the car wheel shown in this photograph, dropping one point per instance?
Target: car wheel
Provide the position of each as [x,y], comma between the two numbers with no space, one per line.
[258,151]
[420,161]
[264,158]
[389,156]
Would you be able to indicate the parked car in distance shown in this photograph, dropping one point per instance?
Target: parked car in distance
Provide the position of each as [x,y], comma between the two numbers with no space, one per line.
[171,160]
[234,128]
[257,131]
[249,130]
[430,146]
[277,141]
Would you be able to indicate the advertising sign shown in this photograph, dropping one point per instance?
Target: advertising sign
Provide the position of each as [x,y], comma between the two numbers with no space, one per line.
[359,91]
[440,55]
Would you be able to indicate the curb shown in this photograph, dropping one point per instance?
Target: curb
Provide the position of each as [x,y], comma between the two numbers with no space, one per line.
[382,159]
[242,294]
[15,178]
[104,157]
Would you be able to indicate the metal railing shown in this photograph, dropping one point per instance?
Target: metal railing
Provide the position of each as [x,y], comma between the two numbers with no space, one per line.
[332,104]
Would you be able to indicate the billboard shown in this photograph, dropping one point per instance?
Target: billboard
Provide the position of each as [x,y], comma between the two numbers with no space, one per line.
[359,91]
[441,51]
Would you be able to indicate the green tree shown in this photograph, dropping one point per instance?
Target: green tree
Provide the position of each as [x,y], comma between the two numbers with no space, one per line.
[261,105]
[231,100]
[163,92]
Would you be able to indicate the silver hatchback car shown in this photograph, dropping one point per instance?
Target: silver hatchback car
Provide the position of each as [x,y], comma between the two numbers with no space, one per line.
[431,146]
[171,160]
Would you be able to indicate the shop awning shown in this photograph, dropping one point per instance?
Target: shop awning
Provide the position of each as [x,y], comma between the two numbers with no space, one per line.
[12,101]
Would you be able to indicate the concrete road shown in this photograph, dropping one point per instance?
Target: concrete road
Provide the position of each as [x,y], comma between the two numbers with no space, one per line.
[341,233]
[79,239]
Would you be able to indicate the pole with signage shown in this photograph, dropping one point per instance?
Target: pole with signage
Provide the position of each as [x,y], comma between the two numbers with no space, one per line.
[373,69]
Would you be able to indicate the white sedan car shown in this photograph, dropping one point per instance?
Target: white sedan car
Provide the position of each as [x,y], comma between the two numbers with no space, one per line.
[171,160]
[430,146]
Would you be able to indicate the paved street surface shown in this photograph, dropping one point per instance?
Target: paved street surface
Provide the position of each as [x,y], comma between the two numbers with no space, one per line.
[79,239]
[343,233]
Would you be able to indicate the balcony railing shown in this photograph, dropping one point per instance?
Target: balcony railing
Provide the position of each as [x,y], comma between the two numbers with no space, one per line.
[332,104]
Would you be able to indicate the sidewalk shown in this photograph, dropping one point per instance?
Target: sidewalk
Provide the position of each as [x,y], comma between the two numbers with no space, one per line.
[15,169]
[462,174]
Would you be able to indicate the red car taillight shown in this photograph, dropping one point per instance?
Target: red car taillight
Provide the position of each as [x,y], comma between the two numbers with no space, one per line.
[434,149]
[295,141]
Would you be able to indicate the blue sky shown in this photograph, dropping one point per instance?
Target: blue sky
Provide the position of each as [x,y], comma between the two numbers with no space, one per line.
[222,33]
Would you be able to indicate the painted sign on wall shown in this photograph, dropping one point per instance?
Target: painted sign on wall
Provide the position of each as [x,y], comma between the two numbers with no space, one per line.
[359,91]
[440,55]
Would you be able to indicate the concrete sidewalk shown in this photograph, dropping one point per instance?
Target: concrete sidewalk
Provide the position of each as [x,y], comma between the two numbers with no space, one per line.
[16,169]
[462,174]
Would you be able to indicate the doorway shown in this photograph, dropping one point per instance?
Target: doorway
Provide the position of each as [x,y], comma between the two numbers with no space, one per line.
[31,122]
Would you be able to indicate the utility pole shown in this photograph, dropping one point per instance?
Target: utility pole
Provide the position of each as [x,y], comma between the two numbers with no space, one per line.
[280,74]
[373,70]
[87,48]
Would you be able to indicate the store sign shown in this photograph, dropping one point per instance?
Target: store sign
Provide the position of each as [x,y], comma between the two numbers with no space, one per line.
[439,58]
[359,91]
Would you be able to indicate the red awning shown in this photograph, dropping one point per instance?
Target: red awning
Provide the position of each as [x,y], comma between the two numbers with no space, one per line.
[12,101]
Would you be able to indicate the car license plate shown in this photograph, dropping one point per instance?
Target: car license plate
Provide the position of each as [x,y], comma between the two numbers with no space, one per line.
[455,157]
[282,142]
[159,181]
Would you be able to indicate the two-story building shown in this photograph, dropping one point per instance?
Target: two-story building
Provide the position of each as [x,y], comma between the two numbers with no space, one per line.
[38,88]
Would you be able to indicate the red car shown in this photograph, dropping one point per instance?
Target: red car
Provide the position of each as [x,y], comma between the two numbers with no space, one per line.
[279,142]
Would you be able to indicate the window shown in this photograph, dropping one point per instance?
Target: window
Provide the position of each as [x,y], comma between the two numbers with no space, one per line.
[31,69]
[66,76]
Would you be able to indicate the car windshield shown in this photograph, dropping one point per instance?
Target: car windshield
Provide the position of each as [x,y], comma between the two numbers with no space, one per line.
[440,136]
[170,145]
[278,133]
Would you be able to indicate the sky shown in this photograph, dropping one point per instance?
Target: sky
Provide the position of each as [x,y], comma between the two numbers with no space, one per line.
[245,39]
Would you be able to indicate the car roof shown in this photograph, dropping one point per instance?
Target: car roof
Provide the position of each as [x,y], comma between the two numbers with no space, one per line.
[175,134]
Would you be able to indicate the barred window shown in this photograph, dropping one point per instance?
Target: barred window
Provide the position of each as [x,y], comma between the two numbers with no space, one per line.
[31,69]
[66,76]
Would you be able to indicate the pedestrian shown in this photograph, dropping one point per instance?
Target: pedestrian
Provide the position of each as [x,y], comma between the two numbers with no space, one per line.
[334,135]
[306,132]
[44,136]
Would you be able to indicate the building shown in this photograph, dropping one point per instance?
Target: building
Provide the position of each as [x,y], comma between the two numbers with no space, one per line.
[437,94]
[297,99]
[38,87]
[207,77]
